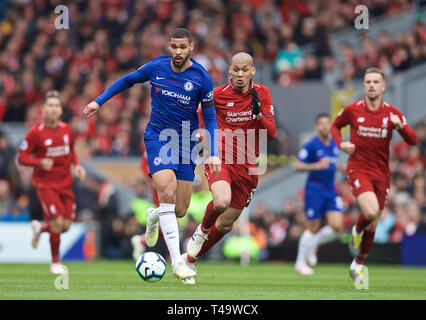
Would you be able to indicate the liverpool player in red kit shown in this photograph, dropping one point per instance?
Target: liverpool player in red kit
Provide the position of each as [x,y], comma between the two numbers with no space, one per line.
[371,121]
[48,147]
[243,106]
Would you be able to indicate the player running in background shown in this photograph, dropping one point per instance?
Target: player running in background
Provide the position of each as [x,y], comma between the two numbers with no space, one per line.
[371,121]
[319,157]
[179,84]
[48,147]
[138,241]
[245,106]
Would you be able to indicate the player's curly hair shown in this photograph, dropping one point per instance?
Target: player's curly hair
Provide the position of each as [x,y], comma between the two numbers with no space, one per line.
[180,33]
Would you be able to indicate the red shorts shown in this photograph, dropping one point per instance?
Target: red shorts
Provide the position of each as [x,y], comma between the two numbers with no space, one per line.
[243,185]
[57,202]
[360,183]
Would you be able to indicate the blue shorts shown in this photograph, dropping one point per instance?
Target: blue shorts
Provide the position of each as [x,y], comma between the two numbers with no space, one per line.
[162,155]
[318,202]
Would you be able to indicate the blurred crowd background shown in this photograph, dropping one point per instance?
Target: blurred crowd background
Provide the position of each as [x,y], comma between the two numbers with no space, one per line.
[109,38]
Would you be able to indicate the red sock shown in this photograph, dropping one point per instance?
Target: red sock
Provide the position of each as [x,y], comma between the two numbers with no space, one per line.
[55,240]
[45,227]
[361,223]
[213,237]
[366,244]
[210,217]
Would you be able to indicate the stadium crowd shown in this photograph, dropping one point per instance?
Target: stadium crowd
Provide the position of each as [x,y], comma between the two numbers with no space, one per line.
[108,38]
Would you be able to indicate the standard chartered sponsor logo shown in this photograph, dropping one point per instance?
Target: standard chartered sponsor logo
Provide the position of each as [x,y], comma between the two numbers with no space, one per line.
[239,116]
[372,132]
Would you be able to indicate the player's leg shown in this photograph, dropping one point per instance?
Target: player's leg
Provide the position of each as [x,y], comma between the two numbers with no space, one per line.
[314,204]
[221,192]
[370,212]
[333,207]
[223,225]
[306,245]
[166,183]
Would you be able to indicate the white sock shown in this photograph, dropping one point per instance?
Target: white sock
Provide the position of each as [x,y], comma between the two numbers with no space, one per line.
[169,226]
[153,216]
[303,242]
[326,234]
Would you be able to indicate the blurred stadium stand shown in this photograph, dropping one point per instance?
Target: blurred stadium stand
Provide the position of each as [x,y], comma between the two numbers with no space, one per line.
[307,52]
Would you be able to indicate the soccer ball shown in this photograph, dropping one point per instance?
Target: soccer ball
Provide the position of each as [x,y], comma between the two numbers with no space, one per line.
[151,266]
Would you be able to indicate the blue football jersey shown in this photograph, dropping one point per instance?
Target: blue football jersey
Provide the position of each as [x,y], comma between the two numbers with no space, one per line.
[312,152]
[175,96]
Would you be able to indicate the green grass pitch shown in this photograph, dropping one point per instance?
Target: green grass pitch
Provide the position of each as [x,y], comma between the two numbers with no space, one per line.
[215,281]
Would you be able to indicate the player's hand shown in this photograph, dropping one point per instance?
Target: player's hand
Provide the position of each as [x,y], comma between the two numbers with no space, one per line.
[323,163]
[80,172]
[214,165]
[90,109]
[347,147]
[396,121]
[46,164]
[255,102]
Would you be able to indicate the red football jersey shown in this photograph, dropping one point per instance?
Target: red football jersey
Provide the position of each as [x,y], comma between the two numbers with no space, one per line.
[235,119]
[370,132]
[57,144]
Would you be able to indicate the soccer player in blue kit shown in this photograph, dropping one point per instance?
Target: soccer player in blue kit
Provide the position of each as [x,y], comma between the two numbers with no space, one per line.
[179,85]
[318,157]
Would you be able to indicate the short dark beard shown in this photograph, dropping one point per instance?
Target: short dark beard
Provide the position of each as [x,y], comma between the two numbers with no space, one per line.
[182,63]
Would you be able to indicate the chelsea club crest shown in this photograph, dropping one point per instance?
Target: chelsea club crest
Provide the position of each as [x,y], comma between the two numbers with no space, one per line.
[188,86]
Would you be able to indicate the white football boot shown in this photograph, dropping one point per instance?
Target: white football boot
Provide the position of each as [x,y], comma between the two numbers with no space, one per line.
[196,242]
[303,268]
[35,226]
[57,268]
[138,247]
[190,266]
[151,233]
[182,271]
[312,257]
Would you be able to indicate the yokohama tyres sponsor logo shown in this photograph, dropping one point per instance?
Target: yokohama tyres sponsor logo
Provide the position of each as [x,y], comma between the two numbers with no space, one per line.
[58,151]
[181,97]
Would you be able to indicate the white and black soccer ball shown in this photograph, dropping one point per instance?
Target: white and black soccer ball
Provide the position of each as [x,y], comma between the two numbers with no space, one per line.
[151,266]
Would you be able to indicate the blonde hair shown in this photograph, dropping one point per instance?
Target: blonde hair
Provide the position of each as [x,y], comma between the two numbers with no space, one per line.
[375,70]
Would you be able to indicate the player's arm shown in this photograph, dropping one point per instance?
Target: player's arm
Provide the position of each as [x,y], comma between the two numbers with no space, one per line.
[210,124]
[79,170]
[25,154]
[118,86]
[303,162]
[342,120]
[264,112]
[404,129]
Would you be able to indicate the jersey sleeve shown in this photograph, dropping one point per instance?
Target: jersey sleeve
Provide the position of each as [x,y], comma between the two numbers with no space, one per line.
[305,153]
[125,82]
[206,92]
[406,132]
[267,110]
[342,120]
[209,114]
[26,149]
